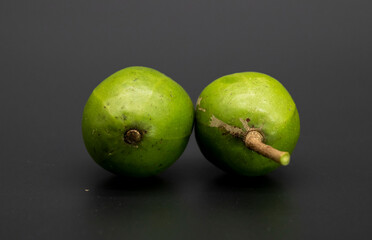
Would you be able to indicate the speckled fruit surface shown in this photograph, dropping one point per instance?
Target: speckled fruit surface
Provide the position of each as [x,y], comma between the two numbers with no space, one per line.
[259,100]
[144,100]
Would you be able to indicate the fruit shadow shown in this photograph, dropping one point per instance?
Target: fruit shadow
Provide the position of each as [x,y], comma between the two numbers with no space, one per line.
[117,185]
[231,182]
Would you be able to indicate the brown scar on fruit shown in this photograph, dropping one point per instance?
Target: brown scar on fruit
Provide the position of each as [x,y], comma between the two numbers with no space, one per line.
[235,131]
[245,124]
[198,101]
[198,105]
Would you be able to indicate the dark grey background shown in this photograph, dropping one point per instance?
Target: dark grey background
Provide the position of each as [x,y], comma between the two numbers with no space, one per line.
[53,53]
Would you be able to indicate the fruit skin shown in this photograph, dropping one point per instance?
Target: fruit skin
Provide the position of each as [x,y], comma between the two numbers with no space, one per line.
[138,98]
[254,97]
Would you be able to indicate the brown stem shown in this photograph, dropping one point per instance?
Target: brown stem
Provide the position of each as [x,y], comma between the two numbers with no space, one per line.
[254,141]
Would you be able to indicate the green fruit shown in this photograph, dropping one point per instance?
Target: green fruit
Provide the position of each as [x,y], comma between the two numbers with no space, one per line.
[233,106]
[137,122]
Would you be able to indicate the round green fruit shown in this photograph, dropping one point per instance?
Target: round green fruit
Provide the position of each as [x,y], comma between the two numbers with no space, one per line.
[243,119]
[137,122]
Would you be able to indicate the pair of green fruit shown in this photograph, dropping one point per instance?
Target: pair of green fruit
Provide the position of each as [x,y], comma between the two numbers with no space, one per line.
[138,122]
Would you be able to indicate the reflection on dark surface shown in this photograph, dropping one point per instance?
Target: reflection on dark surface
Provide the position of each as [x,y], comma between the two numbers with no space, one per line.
[125,207]
[191,201]
[249,206]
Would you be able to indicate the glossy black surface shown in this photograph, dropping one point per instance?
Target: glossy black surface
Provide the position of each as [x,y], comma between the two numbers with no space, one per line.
[53,53]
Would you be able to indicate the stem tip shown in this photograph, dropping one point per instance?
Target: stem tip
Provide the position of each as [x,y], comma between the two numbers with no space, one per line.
[285,159]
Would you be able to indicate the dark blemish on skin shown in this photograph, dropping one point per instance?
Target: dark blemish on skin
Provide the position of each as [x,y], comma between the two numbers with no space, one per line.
[135,79]
[108,104]
[248,120]
[124,117]
[104,106]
